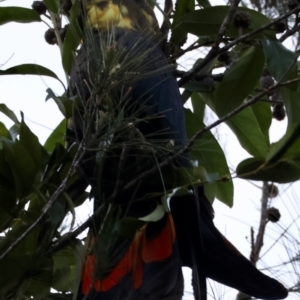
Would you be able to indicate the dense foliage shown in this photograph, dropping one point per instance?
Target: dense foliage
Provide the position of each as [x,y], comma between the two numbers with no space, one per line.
[39,185]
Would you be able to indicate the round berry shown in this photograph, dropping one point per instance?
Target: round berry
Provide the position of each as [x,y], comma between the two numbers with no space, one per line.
[266,81]
[280,27]
[50,37]
[39,7]
[241,19]
[225,58]
[273,190]
[273,214]
[278,112]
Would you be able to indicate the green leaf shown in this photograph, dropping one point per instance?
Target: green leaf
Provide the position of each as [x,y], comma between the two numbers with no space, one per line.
[207,21]
[57,136]
[204,3]
[73,37]
[22,166]
[210,155]
[246,128]
[8,202]
[185,95]
[18,14]
[28,244]
[18,273]
[65,105]
[182,7]
[281,172]
[7,199]
[79,253]
[9,113]
[14,131]
[5,219]
[56,159]
[292,104]
[52,5]
[12,271]
[6,175]
[31,144]
[58,167]
[196,86]
[39,282]
[263,114]
[4,132]
[287,147]
[200,173]
[279,60]
[29,69]
[57,212]
[37,204]
[239,81]
[63,261]
[198,106]
[207,69]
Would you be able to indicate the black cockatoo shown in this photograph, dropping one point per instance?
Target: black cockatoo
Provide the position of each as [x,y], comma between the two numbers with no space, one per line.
[133,113]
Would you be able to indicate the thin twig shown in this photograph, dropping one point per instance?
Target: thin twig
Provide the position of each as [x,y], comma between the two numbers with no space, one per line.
[170,159]
[199,77]
[252,239]
[69,237]
[62,187]
[214,52]
[226,21]
[49,204]
[168,8]
[288,33]
[192,47]
[58,38]
[259,242]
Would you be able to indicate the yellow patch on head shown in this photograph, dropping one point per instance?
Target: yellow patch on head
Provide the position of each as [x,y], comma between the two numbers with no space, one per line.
[103,14]
[124,10]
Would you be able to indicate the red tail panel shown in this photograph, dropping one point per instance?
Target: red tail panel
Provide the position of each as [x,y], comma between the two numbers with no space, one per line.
[160,247]
[87,274]
[141,250]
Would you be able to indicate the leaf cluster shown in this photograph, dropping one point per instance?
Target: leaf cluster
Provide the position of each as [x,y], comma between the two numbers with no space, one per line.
[30,176]
[40,184]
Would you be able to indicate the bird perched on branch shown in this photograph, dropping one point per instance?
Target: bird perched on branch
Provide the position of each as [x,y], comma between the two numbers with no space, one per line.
[132,119]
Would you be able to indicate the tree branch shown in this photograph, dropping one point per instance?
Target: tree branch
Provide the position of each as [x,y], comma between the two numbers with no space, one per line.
[259,242]
[288,33]
[199,77]
[168,8]
[57,26]
[49,204]
[215,51]
[226,21]
[69,237]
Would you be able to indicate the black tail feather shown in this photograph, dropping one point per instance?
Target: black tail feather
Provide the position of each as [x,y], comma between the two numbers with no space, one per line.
[216,257]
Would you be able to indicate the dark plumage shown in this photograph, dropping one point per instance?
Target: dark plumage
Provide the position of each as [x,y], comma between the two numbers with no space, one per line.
[155,98]
[215,256]
[147,263]
[151,100]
